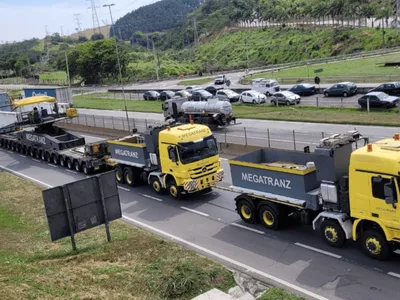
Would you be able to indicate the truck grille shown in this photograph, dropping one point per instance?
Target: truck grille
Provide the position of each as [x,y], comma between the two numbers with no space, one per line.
[203,171]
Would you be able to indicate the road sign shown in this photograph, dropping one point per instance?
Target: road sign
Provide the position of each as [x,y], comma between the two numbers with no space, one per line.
[318,71]
[81,205]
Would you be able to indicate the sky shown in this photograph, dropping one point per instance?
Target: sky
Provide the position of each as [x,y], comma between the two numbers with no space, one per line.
[26,19]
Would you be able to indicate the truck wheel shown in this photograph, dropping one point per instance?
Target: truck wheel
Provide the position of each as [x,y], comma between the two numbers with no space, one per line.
[129,177]
[48,157]
[268,217]
[77,166]
[86,170]
[333,233]
[32,152]
[62,162]
[69,164]
[156,185]
[174,190]
[375,245]
[119,176]
[54,159]
[42,155]
[246,210]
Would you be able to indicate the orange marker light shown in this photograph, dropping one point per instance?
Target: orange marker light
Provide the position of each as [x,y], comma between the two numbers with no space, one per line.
[169,128]
[191,121]
[396,137]
[369,147]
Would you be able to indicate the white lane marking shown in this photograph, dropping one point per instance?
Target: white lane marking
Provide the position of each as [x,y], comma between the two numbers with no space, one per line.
[54,166]
[195,211]
[125,189]
[68,170]
[227,259]
[200,248]
[22,155]
[151,197]
[34,159]
[10,151]
[318,250]
[247,228]
[26,177]
[394,274]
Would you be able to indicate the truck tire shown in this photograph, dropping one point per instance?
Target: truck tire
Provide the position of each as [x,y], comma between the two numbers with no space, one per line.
[77,166]
[119,175]
[86,170]
[48,157]
[269,217]
[156,185]
[129,177]
[62,161]
[246,210]
[70,165]
[375,245]
[42,155]
[174,190]
[54,159]
[333,233]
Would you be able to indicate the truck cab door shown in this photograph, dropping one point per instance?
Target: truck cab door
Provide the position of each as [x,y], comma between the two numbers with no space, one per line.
[381,207]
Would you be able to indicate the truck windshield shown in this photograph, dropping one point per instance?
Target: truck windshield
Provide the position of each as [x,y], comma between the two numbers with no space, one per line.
[195,151]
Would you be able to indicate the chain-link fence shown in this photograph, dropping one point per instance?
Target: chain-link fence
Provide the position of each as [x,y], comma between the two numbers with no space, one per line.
[235,134]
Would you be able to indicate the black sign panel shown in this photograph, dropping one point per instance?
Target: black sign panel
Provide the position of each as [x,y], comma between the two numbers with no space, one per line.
[82,205]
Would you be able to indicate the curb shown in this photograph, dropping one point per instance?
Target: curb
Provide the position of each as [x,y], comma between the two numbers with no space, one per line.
[225,189]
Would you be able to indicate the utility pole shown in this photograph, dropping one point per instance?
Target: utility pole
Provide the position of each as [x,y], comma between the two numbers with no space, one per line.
[155,60]
[119,63]
[196,35]
[77,18]
[247,51]
[68,75]
[96,24]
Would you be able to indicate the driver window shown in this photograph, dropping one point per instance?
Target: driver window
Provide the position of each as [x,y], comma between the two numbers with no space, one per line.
[378,187]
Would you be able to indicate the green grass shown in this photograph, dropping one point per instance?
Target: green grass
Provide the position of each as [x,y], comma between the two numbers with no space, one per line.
[59,75]
[278,294]
[134,265]
[196,81]
[371,66]
[356,116]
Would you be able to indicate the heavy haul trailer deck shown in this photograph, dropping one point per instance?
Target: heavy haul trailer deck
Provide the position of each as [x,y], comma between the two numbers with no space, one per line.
[56,145]
[180,159]
[345,194]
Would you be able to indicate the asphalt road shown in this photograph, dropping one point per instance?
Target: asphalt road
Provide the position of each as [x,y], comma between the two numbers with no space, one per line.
[209,225]
[286,135]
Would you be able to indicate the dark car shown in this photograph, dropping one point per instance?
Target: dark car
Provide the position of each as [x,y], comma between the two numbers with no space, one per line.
[378,99]
[212,89]
[390,88]
[200,95]
[344,89]
[151,95]
[164,95]
[303,89]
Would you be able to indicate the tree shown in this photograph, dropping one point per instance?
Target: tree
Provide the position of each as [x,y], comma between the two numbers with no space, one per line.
[97,37]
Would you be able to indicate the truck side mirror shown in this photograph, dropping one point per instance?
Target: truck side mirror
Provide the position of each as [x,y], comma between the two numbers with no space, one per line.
[390,192]
[172,153]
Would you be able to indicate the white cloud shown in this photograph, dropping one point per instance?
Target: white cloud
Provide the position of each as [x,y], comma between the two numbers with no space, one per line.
[19,22]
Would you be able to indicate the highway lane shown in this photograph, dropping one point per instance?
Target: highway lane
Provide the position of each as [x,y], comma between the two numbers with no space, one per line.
[264,133]
[210,222]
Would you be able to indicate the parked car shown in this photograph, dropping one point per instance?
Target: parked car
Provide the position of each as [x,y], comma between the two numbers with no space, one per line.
[191,88]
[220,79]
[285,97]
[164,95]
[265,86]
[252,97]
[303,89]
[200,95]
[344,89]
[212,89]
[378,99]
[151,95]
[183,94]
[390,88]
[227,95]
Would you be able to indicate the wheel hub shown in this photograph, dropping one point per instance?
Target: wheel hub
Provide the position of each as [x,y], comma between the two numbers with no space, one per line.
[245,211]
[268,218]
[373,246]
[331,234]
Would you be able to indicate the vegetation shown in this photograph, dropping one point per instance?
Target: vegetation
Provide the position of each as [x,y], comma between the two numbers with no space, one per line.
[196,81]
[278,294]
[134,265]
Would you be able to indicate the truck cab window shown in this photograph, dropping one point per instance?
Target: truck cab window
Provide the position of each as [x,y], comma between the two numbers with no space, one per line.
[378,187]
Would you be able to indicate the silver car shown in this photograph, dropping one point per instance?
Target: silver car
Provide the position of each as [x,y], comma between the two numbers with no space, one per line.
[285,97]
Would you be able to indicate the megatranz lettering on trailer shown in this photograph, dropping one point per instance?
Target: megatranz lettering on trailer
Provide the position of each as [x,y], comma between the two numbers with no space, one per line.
[36,138]
[282,183]
[126,153]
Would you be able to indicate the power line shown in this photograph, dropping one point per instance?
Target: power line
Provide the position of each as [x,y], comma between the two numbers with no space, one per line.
[95,17]
[77,18]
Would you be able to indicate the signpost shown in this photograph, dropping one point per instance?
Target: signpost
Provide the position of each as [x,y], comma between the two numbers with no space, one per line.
[81,205]
[318,71]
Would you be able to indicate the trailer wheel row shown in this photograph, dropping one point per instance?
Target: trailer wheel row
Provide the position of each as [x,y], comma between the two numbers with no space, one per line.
[45,155]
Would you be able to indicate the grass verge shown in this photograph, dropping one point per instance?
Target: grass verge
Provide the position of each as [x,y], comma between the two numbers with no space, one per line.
[278,294]
[196,81]
[135,265]
[355,116]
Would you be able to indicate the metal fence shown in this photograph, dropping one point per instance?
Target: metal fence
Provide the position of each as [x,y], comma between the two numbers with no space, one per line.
[235,134]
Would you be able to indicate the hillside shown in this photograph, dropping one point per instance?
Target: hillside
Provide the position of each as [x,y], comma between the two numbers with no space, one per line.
[105,30]
[158,16]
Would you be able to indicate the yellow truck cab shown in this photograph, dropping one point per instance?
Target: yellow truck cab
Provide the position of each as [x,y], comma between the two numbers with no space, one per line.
[180,159]
[374,193]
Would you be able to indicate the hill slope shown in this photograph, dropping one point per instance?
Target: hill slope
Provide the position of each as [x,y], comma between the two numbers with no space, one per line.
[105,30]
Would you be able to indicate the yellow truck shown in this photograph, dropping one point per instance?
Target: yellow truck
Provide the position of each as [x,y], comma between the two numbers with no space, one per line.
[343,192]
[179,159]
